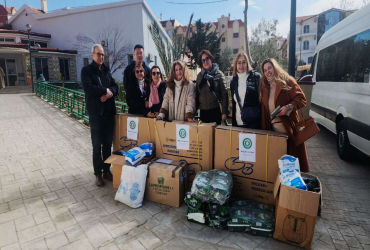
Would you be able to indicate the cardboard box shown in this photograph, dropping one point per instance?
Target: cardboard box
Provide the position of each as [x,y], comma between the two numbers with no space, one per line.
[296,212]
[165,182]
[251,178]
[199,157]
[145,127]
[117,162]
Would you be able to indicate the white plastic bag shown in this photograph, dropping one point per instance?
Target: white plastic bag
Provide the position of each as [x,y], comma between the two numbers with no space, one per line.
[134,155]
[288,163]
[132,187]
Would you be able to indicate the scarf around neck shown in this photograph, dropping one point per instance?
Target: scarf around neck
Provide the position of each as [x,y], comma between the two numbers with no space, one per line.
[154,96]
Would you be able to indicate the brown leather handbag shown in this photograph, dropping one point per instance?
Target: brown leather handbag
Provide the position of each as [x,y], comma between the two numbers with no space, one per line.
[304,129]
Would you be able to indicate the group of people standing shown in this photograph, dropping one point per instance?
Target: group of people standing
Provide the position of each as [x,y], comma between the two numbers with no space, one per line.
[254,97]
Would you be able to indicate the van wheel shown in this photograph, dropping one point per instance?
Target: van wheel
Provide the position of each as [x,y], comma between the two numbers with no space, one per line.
[345,150]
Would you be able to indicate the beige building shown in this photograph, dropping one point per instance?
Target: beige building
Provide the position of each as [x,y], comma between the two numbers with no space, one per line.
[232,30]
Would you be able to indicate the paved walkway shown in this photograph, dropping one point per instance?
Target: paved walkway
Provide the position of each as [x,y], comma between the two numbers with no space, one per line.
[48,199]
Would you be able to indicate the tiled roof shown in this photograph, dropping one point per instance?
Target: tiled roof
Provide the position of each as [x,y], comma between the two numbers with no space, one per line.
[25,33]
[10,9]
[303,18]
[37,11]
[232,21]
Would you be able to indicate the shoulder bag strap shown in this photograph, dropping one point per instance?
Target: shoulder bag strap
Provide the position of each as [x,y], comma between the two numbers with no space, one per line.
[219,103]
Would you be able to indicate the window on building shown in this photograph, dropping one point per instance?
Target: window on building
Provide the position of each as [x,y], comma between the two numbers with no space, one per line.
[346,61]
[191,29]
[309,60]
[7,40]
[64,69]
[42,44]
[235,51]
[130,59]
[223,39]
[223,26]
[42,67]
[331,19]
[306,29]
[86,61]
[306,45]
[235,35]
[169,33]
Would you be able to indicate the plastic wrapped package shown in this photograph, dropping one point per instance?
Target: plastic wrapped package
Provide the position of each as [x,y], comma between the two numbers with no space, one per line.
[134,155]
[249,204]
[288,163]
[219,210]
[293,179]
[217,222]
[196,209]
[212,186]
[147,147]
[256,222]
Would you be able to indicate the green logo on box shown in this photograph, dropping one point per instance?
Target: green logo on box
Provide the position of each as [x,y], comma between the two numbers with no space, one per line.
[160,180]
[182,133]
[247,143]
[132,125]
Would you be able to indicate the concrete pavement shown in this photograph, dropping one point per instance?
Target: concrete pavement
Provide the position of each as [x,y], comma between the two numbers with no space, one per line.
[48,199]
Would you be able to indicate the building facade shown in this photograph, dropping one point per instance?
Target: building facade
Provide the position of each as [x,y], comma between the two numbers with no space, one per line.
[131,18]
[232,30]
[309,30]
[52,63]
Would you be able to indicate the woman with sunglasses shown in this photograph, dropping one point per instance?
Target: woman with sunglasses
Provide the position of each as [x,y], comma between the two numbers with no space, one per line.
[135,94]
[246,107]
[211,93]
[179,99]
[154,92]
[280,89]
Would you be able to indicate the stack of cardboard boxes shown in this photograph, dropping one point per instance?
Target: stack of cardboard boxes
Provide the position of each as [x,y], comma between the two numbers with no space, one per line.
[251,156]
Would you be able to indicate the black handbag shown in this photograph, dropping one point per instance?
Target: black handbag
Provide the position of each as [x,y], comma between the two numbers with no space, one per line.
[248,114]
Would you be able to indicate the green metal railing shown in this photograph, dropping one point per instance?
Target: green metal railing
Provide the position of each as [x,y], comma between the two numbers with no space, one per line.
[72,101]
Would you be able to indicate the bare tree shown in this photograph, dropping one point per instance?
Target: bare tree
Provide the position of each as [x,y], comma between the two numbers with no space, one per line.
[345,4]
[116,46]
[246,33]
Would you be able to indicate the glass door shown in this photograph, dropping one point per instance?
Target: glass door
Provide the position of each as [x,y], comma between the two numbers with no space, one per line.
[11,70]
[2,65]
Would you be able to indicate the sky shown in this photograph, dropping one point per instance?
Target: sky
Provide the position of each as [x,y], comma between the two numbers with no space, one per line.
[258,9]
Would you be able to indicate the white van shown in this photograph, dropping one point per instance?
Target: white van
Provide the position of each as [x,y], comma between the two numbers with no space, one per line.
[341,95]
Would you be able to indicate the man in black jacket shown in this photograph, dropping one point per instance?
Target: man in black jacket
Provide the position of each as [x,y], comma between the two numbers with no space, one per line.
[100,90]
[129,75]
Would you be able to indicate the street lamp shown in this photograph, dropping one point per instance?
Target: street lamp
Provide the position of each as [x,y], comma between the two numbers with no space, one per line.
[107,54]
[29,28]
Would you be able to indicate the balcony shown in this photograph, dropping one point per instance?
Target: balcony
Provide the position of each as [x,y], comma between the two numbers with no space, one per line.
[311,32]
[309,49]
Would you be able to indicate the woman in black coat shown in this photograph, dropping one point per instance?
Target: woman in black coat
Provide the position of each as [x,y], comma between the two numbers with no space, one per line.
[154,92]
[135,94]
[245,94]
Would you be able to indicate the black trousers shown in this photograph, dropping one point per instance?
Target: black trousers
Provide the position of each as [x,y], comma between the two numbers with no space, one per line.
[102,128]
[211,115]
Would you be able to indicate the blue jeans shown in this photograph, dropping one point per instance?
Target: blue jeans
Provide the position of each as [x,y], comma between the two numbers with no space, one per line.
[102,128]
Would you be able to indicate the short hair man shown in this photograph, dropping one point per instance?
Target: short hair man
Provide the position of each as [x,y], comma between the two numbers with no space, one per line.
[100,90]
[129,75]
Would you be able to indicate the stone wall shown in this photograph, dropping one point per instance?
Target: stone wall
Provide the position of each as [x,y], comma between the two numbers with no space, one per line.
[53,64]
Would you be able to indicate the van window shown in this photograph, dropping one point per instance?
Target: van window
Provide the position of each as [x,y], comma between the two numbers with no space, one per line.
[346,61]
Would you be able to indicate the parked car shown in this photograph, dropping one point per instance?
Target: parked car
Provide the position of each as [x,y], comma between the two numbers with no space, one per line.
[341,95]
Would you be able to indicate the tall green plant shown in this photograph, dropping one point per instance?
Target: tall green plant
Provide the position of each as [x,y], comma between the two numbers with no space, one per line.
[164,51]
[203,38]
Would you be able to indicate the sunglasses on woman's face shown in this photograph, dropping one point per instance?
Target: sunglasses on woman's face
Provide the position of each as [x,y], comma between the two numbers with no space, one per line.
[156,73]
[205,59]
[139,71]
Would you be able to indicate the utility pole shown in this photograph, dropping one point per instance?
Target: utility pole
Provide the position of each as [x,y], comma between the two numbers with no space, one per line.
[292,38]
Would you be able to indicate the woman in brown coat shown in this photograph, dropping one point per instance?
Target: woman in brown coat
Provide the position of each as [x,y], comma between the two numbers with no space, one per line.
[280,89]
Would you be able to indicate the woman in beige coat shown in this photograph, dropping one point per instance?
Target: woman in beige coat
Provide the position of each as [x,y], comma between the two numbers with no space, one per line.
[179,99]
